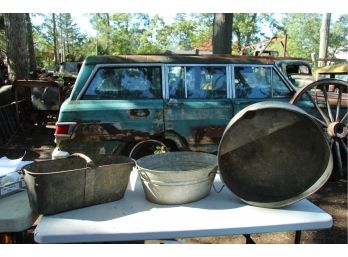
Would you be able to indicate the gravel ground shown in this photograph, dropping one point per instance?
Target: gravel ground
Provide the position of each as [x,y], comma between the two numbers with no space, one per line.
[38,143]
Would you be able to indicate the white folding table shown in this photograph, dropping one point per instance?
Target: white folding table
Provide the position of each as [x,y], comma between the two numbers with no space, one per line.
[134,218]
[15,212]
[16,215]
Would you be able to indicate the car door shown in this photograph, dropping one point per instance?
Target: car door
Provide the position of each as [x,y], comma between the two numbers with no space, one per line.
[120,105]
[197,106]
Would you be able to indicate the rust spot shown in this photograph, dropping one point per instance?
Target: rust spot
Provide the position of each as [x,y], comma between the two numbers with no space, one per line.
[106,132]
[212,134]
[139,113]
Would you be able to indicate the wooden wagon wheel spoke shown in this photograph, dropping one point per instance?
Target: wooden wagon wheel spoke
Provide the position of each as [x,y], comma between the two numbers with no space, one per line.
[326,119]
[338,157]
[344,117]
[343,145]
[338,106]
[329,103]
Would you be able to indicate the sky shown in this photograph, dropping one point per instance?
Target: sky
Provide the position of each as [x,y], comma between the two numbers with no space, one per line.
[83,21]
[172,6]
[168,8]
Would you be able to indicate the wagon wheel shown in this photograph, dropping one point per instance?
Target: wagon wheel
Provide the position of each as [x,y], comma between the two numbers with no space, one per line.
[327,101]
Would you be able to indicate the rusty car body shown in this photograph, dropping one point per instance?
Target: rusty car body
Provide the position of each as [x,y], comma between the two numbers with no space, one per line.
[298,71]
[336,71]
[183,101]
[43,99]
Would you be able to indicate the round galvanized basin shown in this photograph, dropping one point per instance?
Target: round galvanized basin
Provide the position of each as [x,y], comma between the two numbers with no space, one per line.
[177,177]
[273,154]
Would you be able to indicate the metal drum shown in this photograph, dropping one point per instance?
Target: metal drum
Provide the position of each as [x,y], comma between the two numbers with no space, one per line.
[273,154]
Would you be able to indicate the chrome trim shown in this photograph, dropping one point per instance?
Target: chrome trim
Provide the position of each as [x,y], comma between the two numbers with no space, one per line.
[71,124]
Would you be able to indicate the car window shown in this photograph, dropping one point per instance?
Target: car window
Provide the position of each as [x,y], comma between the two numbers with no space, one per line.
[342,77]
[252,82]
[197,82]
[298,69]
[279,89]
[258,82]
[176,82]
[336,76]
[125,83]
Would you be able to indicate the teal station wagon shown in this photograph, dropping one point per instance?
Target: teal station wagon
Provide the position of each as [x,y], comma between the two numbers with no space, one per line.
[184,102]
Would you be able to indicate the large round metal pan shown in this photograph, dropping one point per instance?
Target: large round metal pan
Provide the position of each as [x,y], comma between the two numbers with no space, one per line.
[273,154]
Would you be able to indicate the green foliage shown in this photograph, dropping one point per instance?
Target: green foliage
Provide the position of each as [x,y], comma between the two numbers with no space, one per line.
[69,39]
[138,33]
[339,36]
[190,31]
[247,29]
[303,32]
[244,29]
[153,38]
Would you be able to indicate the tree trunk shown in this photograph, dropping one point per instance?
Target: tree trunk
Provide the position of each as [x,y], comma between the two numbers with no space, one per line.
[222,33]
[238,41]
[62,41]
[108,33]
[17,47]
[55,44]
[32,59]
[324,38]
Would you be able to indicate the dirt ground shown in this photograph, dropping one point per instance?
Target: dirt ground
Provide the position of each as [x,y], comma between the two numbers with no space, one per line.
[38,144]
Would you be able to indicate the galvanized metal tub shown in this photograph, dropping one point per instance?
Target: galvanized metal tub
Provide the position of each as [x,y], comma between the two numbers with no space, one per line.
[64,184]
[273,154]
[177,177]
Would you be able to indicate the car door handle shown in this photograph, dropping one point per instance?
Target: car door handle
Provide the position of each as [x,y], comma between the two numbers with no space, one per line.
[174,102]
[139,113]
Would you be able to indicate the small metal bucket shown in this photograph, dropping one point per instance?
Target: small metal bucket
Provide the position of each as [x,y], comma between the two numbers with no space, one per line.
[77,181]
[273,154]
[177,177]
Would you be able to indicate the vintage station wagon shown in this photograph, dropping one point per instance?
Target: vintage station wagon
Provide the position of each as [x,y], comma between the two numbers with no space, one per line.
[184,102]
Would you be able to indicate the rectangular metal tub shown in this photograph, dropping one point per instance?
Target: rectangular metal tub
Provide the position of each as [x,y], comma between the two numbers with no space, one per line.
[77,181]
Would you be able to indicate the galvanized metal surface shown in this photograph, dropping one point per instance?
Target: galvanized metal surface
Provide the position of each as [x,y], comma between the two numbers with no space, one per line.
[177,177]
[77,181]
[273,154]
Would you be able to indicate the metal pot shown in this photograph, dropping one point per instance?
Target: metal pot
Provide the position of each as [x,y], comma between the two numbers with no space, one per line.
[273,154]
[177,177]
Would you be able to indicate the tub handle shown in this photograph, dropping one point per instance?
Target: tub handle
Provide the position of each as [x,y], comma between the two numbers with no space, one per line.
[89,162]
[222,187]
[90,178]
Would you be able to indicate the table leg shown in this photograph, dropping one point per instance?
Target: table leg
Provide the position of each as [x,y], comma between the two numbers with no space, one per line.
[298,237]
[249,240]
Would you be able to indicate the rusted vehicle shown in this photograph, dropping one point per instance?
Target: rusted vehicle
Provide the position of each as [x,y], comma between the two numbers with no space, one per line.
[184,102]
[43,99]
[298,71]
[337,71]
